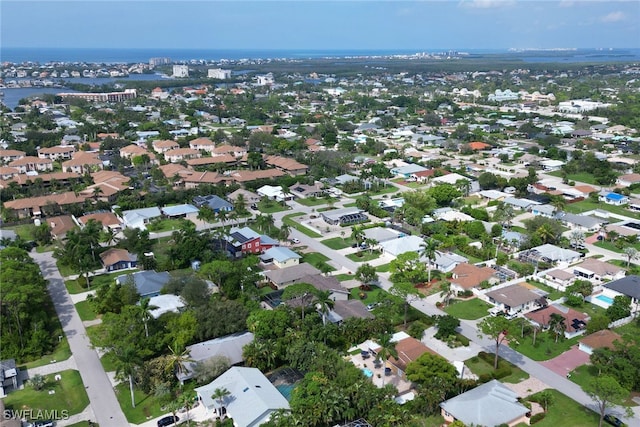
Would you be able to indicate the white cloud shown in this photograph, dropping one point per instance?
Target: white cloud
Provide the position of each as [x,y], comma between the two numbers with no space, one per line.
[614,17]
[486,4]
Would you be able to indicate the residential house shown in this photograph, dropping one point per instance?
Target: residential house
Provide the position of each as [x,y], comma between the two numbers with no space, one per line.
[628,286]
[59,226]
[344,216]
[594,269]
[215,203]
[8,156]
[249,197]
[59,152]
[401,245]
[284,277]
[139,218]
[613,198]
[251,401]
[229,150]
[290,166]
[447,261]
[162,146]
[32,164]
[229,346]
[83,162]
[194,179]
[547,211]
[468,276]
[186,211]
[247,175]
[628,179]
[520,204]
[560,277]
[303,190]
[575,322]
[550,254]
[600,339]
[327,284]
[408,170]
[134,150]
[274,193]
[118,259]
[281,257]
[167,303]
[514,299]
[408,350]
[202,144]
[7,173]
[346,309]
[205,161]
[179,154]
[9,375]
[245,240]
[489,404]
[148,283]
[586,223]
[33,207]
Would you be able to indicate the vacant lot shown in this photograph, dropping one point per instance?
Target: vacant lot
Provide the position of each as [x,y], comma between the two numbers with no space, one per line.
[469,310]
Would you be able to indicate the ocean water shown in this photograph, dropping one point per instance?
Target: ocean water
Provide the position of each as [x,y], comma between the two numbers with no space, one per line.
[44,55]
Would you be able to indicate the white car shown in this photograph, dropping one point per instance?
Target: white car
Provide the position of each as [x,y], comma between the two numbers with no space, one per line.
[295,241]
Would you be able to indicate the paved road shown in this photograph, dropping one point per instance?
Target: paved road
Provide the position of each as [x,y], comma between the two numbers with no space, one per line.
[103,400]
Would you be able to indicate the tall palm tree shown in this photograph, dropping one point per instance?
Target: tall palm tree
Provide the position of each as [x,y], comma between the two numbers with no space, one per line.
[428,249]
[145,314]
[220,396]
[186,402]
[324,305]
[177,360]
[127,361]
[557,325]
[285,231]
[387,349]
[631,253]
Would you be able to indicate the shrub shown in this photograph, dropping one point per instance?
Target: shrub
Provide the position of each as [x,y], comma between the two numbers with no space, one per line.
[474,359]
[463,340]
[537,418]
[502,372]
[484,378]
[416,329]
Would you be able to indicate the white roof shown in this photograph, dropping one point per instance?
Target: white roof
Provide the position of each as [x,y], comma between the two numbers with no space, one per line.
[401,245]
[451,178]
[165,304]
[270,191]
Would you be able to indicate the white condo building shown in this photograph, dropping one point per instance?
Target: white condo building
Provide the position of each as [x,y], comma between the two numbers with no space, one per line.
[219,73]
[180,71]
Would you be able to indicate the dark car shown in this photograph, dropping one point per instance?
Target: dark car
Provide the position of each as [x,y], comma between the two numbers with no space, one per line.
[167,421]
[614,421]
[43,423]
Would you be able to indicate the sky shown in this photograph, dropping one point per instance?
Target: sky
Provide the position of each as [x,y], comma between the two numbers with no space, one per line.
[318,25]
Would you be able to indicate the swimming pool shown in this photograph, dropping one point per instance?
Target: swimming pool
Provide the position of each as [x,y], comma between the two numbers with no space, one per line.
[605,298]
[285,390]
[367,372]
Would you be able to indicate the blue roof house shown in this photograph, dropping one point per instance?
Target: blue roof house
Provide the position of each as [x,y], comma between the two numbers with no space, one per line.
[180,211]
[214,202]
[282,257]
[613,199]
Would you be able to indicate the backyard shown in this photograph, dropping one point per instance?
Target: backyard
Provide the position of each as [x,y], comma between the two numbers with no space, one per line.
[68,394]
[161,225]
[471,309]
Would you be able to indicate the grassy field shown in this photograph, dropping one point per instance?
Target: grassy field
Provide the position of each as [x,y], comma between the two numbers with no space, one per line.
[567,412]
[479,367]
[269,206]
[470,310]
[337,243]
[546,348]
[70,395]
[316,259]
[147,406]
[315,201]
[585,177]
[288,219]
[344,277]
[79,285]
[159,226]
[383,190]
[384,268]
[373,296]
[85,311]
[364,256]
[587,205]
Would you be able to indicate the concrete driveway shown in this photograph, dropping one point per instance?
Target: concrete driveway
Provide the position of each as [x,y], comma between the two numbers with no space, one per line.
[567,361]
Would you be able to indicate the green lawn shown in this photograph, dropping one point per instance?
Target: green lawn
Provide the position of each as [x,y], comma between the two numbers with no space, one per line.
[632,329]
[64,270]
[344,277]
[478,366]
[585,177]
[79,285]
[546,348]
[108,362]
[587,205]
[373,296]
[469,310]
[350,205]
[270,206]
[85,311]
[69,395]
[553,293]
[384,268]
[583,375]
[364,256]
[567,412]
[383,190]
[84,424]
[167,225]
[315,201]
[338,243]
[317,260]
[288,219]
[147,406]
[591,309]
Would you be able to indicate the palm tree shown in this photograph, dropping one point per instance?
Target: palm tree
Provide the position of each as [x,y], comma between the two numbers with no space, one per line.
[558,204]
[285,231]
[324,305]
[177,360]
[428,249]
[127,361]
[187,403]
[446,292]
[357,234]
[387,349]
[546,233]
[220,395]
[557,325]
[145,314]
[631,253]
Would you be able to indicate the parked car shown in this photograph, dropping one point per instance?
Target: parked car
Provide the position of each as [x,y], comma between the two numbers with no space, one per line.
[371,306]
[295,241]
[44,423]
[614,421]
[169,420]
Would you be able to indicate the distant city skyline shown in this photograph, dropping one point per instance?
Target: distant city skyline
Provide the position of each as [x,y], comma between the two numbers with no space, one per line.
[331,24]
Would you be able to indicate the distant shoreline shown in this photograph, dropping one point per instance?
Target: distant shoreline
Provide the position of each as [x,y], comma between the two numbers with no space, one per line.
[108,55]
